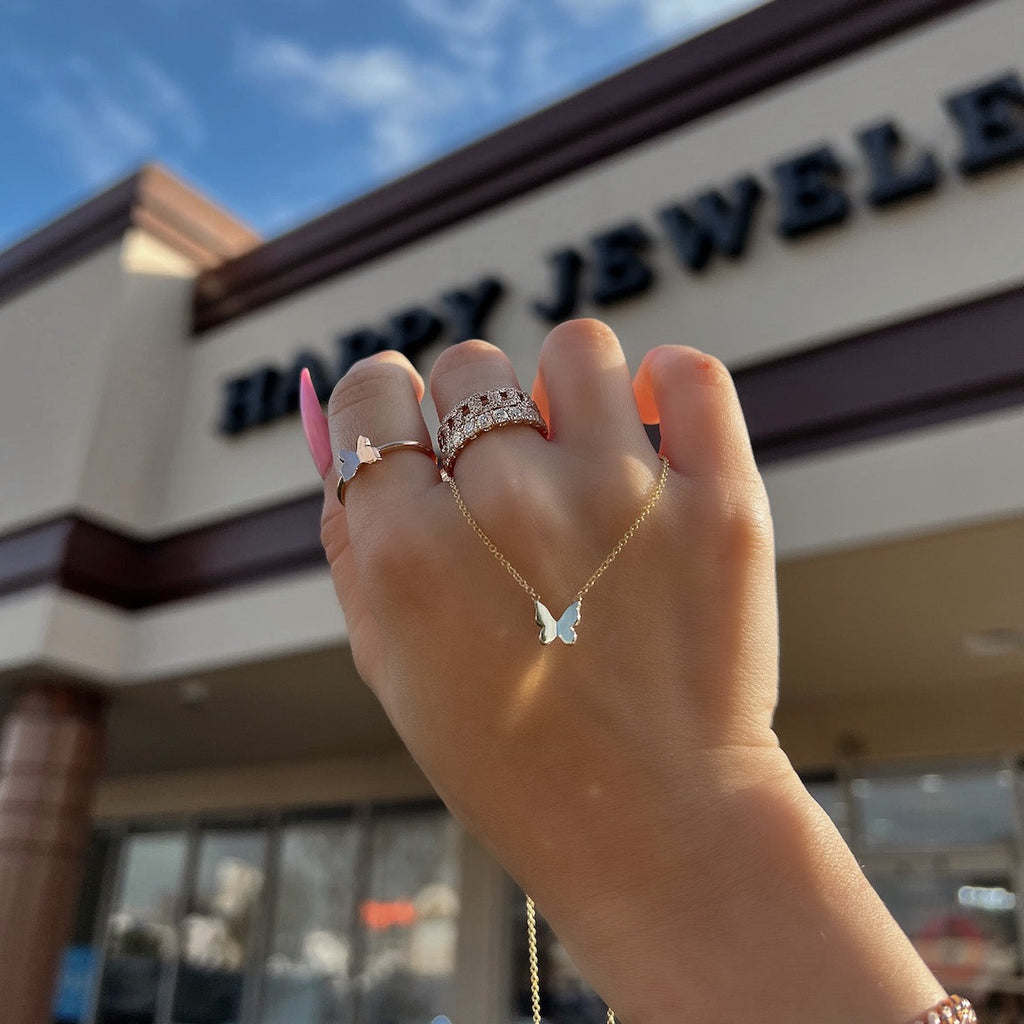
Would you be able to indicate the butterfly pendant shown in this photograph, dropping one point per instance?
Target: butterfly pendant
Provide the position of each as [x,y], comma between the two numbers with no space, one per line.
[563,629]
[351,461]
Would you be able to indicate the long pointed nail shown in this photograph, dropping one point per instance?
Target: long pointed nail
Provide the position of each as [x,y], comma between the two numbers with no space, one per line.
[314,422]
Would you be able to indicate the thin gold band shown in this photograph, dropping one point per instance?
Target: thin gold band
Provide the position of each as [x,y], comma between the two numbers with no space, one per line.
[350,467]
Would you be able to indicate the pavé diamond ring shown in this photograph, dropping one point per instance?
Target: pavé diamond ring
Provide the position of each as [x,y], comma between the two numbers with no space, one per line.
[486,410]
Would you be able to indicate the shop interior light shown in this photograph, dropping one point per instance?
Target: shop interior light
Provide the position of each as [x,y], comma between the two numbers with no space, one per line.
[983,897]
[994,643]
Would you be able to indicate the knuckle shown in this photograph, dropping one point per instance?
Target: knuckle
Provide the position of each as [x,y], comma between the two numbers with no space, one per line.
[333,534]
[456,358]
[625,488]
[368,383]
[746,526]
[735,512]
[501,502]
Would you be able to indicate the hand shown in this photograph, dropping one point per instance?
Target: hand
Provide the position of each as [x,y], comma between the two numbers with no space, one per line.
[631,782]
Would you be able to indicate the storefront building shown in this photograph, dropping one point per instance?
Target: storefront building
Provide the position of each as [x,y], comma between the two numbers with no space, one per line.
[204,815]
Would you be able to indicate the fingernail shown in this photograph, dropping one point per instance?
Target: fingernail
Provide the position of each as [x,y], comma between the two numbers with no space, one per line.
[314,422]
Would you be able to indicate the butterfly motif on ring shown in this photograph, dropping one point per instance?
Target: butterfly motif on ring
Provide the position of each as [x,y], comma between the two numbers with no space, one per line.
[563,628]
[351,461]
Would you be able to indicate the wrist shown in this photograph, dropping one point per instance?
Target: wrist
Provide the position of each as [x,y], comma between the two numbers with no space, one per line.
[777,918]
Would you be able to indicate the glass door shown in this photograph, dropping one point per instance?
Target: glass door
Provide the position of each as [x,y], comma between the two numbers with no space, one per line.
[218,932]
[141,940]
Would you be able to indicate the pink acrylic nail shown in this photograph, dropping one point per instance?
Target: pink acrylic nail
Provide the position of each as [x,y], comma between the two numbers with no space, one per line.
[314,422]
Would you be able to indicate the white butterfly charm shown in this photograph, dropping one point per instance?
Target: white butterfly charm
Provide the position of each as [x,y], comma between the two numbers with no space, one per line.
[351,461]
[563,628]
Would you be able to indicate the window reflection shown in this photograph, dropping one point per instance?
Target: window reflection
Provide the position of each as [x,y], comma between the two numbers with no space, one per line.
[141,939]
[308,967]
[960,921]
[939,845]
[217,932]
[946,808]
[408,921]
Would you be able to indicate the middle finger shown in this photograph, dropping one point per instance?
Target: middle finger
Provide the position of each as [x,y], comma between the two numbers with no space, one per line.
[588,390]
[468,369]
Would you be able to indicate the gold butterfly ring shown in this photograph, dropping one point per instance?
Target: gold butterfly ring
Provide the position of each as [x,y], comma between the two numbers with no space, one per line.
[349,462]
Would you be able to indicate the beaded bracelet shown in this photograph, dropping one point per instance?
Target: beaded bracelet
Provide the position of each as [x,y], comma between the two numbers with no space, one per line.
[954,1010]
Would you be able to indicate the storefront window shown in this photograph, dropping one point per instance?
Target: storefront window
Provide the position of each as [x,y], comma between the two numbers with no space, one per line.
[217,932]
[331,917]
[77,972]
[936,807]
[408,920]
[141,937]
[309,960]
[939,844]
[960,917]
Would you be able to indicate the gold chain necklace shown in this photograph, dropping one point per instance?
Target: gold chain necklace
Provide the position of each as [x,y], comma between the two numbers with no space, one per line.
[531,934]
[563,629]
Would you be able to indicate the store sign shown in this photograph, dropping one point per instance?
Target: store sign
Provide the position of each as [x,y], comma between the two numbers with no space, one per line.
[612,267]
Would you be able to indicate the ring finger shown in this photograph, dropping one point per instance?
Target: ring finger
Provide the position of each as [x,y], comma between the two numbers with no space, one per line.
[379,400]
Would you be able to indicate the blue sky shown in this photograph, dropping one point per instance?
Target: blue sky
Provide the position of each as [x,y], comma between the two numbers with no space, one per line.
[282,109]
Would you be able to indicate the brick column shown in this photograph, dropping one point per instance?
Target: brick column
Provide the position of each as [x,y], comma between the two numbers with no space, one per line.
[50,757]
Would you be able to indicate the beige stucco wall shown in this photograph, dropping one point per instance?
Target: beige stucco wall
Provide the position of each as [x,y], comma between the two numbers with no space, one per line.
[94,364]
[63,631]
[55,341]
[148,362]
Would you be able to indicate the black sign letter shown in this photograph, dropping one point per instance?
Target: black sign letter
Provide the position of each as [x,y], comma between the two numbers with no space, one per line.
[285,398]
[808,193]
[567,264]
[713,222]
[888,185]
[358,345]
[991,121]
[619,272]
[470,309]
[248,400]
[413,330]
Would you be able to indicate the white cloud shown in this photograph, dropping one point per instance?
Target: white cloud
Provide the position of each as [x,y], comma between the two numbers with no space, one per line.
[402,101]
[98,132]
[476,18]
[106,121]
[537,65]
[498,46]
[665,16]
[165,97]
[661,17]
